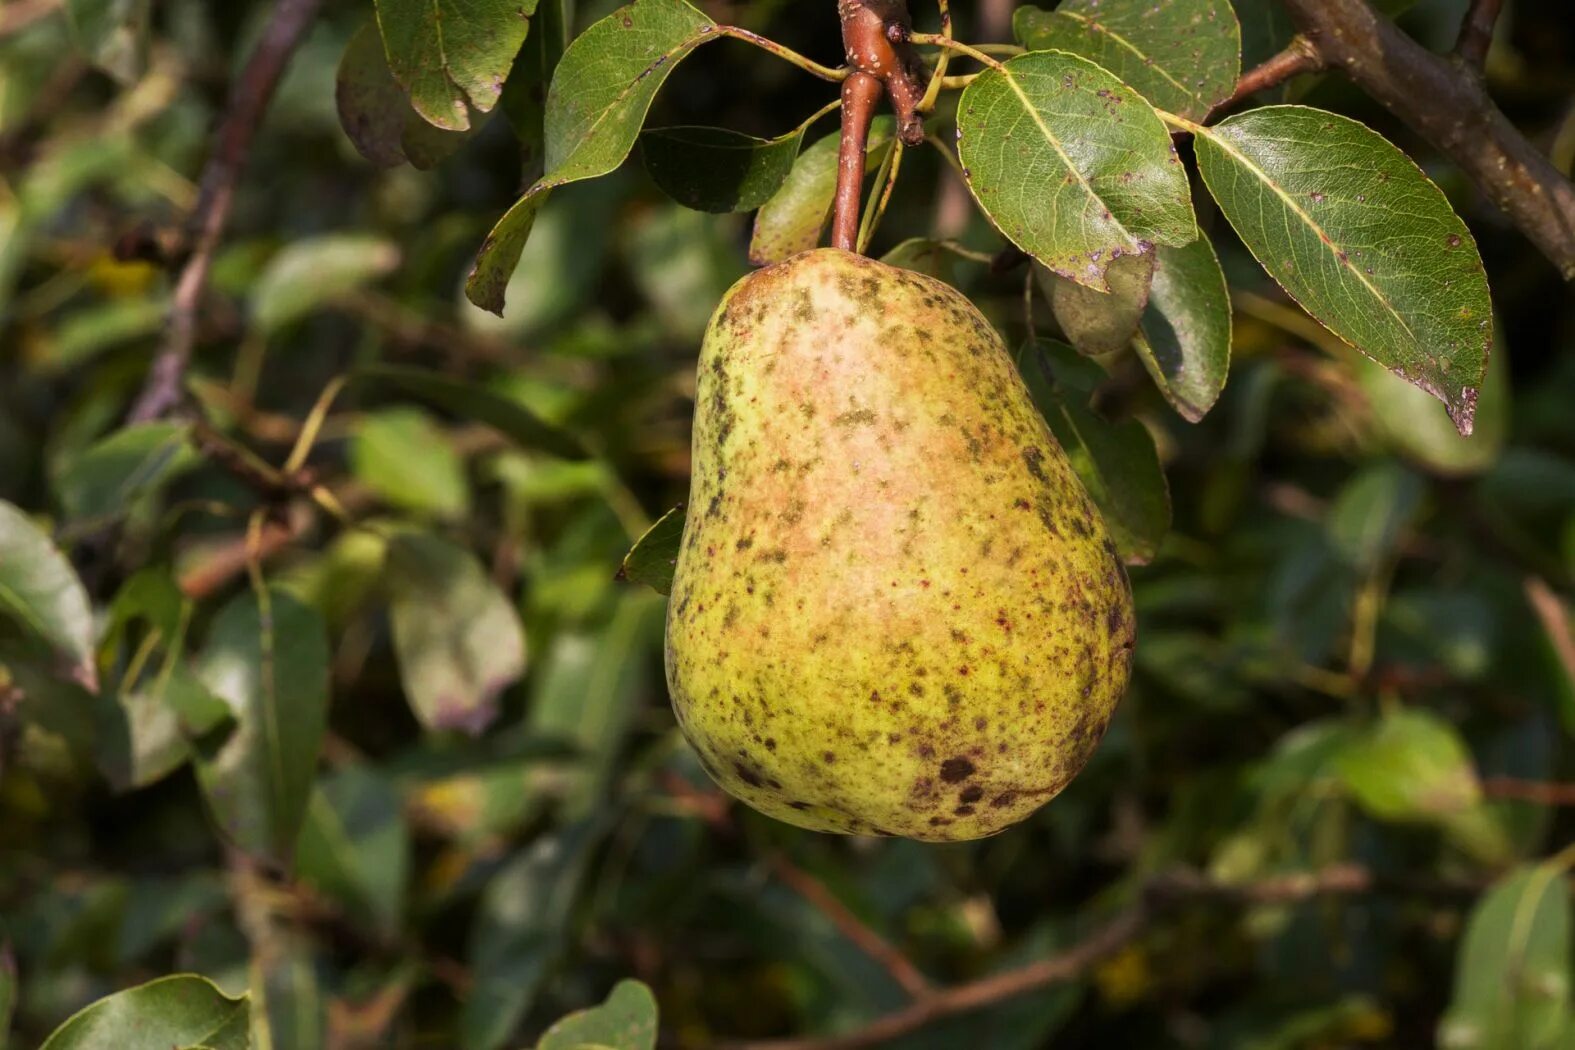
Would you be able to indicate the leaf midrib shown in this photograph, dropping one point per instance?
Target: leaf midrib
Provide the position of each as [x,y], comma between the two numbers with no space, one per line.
[1149,61]
[1301,213]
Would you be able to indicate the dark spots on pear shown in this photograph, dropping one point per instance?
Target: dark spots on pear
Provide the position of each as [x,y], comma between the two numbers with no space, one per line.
[774,557]
[804,306]
[857,418]
[798,805]
[745,543]
[970,794]
[828,757]
[955,770]
[939,822]
[1033,458]
[963,811]
[771,743]
[1003,800]
[749,775]
[915,689]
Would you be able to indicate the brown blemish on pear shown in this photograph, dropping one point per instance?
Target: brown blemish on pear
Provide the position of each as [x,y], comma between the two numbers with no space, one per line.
[867,633]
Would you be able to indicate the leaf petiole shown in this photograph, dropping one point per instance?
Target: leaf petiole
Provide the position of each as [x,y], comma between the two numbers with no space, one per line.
[787,54]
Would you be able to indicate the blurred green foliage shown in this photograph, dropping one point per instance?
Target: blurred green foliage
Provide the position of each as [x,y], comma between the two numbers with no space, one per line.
[1354,638]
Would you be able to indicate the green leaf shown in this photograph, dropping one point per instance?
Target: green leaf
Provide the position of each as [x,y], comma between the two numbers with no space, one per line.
[1117,462]
[376,115]
[40,590]
[1101,322]
[407,460]
[1416,426]
[600,93]
[1106,180]
[626,1021]
[355,846]
[291,1010]
[452,56]
[1410,766]
[7,992]
[519,932]
[1186,333]
[314,271]
[1354,231]
[113,34]
[793,220]
[180,1011]
[1182,55]
[589,689]
[458,638]
[477,404]
[105,482]
[267,658]
[163,713]
[1371,513]
[717,170]
[654,559]
[1512,978]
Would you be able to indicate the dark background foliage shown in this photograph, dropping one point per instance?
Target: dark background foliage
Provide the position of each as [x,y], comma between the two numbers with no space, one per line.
[1349,642]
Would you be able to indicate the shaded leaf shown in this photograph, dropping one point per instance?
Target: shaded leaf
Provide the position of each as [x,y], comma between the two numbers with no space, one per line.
[1101,322]
[355,846]
[180,1011]
[519,932]
[8,991]
[373,109]
[599,96]
[717,170]
[293,1012]
[1371,513]
[113,34]
[1186,333]
[478,404]
[1512,978]
[458,638]
[1117,462]
[1410,766]
[524,99]
[626,1021]
[408,461]
[1415,425]
[41,591]
[107,480]
[795,217]
[1107,181]
[267,658]
[452,56]
[311,273]
[1182,55]
[654,559]
[1354,231]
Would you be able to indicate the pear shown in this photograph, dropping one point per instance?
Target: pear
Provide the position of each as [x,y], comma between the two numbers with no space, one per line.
[895,609]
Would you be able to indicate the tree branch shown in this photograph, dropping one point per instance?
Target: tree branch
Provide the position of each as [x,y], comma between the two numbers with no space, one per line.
[1158,896]
[249,100]
[1298,57]
[860,94]
[1476,32]
[1439,99]
[1537,791]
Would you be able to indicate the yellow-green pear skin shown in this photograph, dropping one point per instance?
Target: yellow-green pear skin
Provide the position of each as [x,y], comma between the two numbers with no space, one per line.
[895,609]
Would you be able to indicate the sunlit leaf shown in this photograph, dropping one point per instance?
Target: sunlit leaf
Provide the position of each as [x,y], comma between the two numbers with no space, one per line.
[601,91]
[1183,55]
[313,272]
[1097,322]
[181,1011]
[403,455]
[451,56]
[1362,239]
[626,1021]
[1411,765]
[1106,181]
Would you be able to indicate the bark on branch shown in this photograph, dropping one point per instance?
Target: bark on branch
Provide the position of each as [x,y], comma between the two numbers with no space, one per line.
[1444,101]
[248,102]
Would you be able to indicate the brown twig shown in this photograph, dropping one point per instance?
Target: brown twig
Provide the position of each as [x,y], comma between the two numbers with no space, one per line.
[875,35]
[1298,57]
[1452,111]
[1157,897]
[1476,32]
[249,100]
[1540,792]
[1555,619]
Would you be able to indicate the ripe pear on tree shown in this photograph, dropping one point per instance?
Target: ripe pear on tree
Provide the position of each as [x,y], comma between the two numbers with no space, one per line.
[896,610]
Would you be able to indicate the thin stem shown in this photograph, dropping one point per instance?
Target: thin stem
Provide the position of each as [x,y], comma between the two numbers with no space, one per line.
[1298,57]
[314,425]
[938,78]
[887,182]
[957,83]
[945,151]
[938,40]
[1476,32]
[809,121]
[164,388]
[787,54]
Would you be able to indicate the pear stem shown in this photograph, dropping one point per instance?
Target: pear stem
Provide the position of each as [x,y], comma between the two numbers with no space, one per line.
[876,35]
